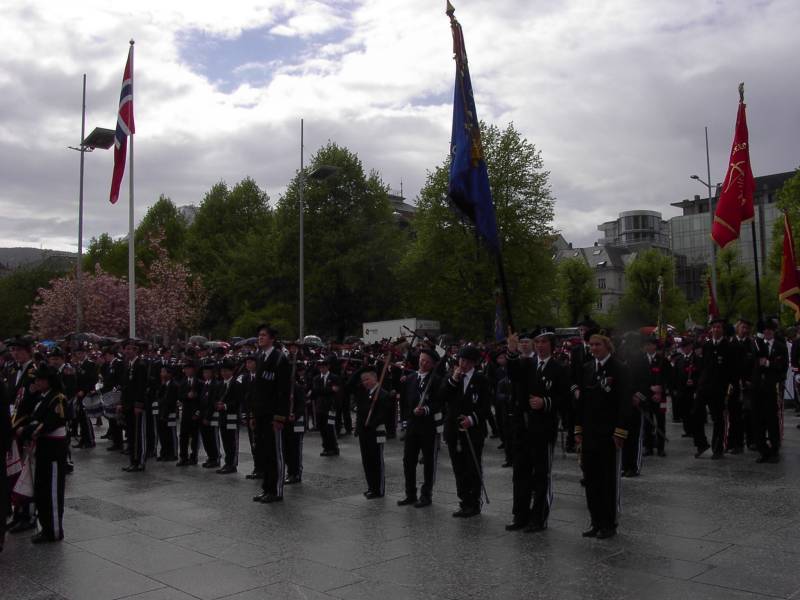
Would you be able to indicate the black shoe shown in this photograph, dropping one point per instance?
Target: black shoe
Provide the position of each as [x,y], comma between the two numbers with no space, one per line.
[648,452]
[42,538]
[516,525]
[260,497]
[701,450]
[506,465]
[372,495]
[605,533]
[501,447]
[737,450]
[211,464]
[570,450]
[254,475]
[134,468]
[590,533]
[69,468]
[686,435]
[24,525]
[423,502]
[226,469]
[182,463]
[717,456]
[535,528]
[271,498]
[290,479]
[468,512]
[406,501]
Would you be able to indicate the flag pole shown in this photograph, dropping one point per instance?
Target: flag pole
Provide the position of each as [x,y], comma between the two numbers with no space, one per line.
[131,246]
[79,270]
[711,213]
[759,314]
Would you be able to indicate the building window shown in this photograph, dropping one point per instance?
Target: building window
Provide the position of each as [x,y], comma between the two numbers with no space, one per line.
[601,283]
[600,304]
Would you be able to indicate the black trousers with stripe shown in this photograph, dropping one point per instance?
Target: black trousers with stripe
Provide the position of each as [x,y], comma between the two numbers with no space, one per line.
[269,444]
[532,478]
[372,461]
[601,471]
[229,432]
[293,434]
[416,441]
[48,485]
[137,426]
[467,473]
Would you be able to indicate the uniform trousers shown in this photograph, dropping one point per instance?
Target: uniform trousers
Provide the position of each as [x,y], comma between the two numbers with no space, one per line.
[420,440]
[269,444]
[372,461]
[601,471]
[533,478]
[293,434]
[229,432]
[48,485]
[189,438]
[467,473]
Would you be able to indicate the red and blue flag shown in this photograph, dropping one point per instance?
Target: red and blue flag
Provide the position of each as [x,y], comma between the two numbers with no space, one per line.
[125,127]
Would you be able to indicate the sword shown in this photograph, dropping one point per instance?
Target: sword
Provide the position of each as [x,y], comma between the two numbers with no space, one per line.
[651,418]
[475,461]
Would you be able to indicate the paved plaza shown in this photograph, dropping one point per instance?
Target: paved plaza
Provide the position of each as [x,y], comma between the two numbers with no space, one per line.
[690,529]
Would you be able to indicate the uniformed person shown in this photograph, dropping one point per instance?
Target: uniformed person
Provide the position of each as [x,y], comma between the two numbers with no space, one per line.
[295,429]
[166,403]
[373,405]
[546,383]
[466,395]
[189,401]
[269,408]
[86,375]
[715,387]
[209,415]
[227,404]
[421,402]
[685,376]
[602,409]
[325,388]
[768,398]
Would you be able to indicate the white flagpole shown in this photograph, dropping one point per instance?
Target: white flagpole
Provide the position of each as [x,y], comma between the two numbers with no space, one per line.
[131,249]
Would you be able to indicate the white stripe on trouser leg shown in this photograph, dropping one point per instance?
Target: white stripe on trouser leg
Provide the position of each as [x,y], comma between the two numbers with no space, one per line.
[280,464]
[382,474]
[142,456]
[619,481]
[549,496]
[54,498]
[641,442]
[435,462]
[300,455]
[235,462]
[217,443]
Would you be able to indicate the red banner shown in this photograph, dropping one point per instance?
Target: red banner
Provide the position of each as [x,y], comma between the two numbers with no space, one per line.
[735,204]
[789,291]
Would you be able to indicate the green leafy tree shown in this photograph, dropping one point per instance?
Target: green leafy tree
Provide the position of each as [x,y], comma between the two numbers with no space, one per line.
[162,221]
[639,304]
[18,291]
[735,287]
[577,292]
[110,254]
[788,201]
[229,244]
[352,247]
[449,276]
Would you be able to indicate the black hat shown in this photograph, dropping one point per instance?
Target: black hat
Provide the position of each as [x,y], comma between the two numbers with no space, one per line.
[273,333]
[718,320]
[430,352]
[57,351]
[587,322]
[470,353]
[687,341]
[188,363]
[228,363]
[208,364]
[744,320]
[771,324]
[51,374]
[544,332]
[369,369]
[20,341]
[526,335]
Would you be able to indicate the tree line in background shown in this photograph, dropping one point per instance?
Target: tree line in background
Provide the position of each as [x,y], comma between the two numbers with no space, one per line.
[236,264]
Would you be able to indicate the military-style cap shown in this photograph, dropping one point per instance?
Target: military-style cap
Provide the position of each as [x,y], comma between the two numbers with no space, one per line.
[545,331]
[430,352]
[20,341]
[721,320]
[470,353]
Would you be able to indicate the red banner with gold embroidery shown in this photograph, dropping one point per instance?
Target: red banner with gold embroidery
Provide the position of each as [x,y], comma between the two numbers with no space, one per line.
[735,204]
[789,291]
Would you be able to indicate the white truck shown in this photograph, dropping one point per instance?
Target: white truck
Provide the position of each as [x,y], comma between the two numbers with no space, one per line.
[391,330]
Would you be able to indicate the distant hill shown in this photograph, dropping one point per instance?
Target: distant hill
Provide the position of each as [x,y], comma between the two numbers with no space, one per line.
[14,258]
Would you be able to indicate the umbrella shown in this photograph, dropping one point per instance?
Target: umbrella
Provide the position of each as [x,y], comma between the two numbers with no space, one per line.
[198,340]
[248,342]
[217,344]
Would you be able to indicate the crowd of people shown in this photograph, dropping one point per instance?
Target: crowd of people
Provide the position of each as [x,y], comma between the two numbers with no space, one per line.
[608,397]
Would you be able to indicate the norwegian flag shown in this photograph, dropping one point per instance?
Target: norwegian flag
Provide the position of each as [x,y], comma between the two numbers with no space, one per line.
[125,127]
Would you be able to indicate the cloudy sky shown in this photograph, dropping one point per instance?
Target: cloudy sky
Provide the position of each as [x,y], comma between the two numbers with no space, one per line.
[614,93]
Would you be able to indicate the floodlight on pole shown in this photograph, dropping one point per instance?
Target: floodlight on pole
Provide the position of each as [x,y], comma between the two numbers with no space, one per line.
[100,137]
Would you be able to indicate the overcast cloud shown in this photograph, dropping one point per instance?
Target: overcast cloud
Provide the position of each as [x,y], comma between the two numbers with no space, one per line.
[615,94]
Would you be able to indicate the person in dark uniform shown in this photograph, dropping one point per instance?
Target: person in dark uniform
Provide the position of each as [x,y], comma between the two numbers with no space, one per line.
[48,429]
[715,386]
[295,429]
[247,379]
[535,430]
[111,374]
[269,409]
[579,355]
[685,375]
[504,405]
[373,405]
[189,400]
[227,404]
[21,390]
[740,424]
[134,400]
[466,395]
[166,405]
[324,390]
[421,402]
[770,376]
[603,408]
[209,415]
[86,375]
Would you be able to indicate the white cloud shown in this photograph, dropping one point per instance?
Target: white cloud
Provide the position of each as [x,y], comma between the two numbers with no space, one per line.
[614,94]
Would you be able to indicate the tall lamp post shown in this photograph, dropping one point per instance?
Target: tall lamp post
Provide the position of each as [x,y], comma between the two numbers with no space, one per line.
[319,173]
[98,138]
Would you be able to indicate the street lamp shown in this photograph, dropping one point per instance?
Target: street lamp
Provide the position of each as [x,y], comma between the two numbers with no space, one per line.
[711,216]
[100,137]
[320,173]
